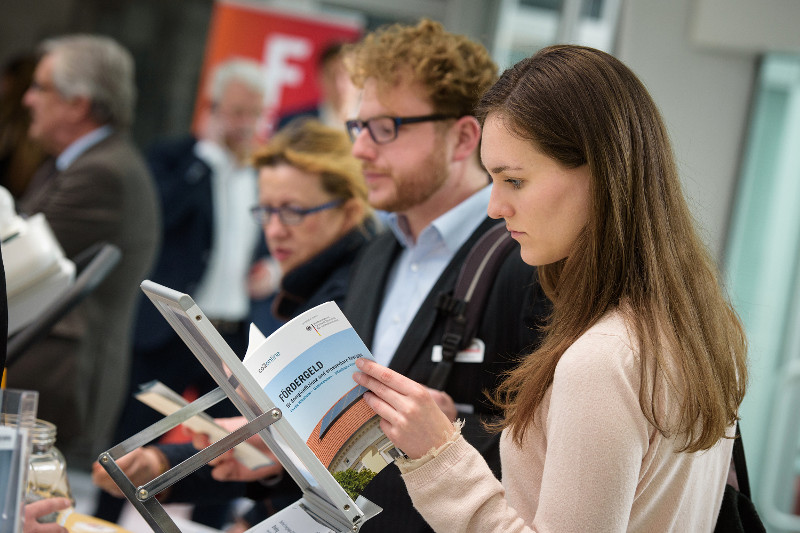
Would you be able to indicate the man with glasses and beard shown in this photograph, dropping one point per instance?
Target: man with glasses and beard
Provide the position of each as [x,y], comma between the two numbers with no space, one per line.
[418,141]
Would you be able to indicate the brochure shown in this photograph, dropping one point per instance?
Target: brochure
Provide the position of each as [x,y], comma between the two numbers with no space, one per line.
[166,401]
[298,384]
[306,368]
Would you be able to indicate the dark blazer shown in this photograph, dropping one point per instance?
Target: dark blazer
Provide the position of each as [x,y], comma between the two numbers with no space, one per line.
[514,307]
[322,279]
[183,182]
[184,185]
[81,368]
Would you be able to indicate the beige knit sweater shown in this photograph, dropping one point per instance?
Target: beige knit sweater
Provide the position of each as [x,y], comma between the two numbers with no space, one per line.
[595,464]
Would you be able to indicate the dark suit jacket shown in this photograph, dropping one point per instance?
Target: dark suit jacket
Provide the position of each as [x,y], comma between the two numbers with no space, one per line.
[81,369]
[513,309]
[183,182]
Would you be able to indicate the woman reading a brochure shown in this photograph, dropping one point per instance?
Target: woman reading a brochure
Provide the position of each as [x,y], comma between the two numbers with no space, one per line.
[621,419]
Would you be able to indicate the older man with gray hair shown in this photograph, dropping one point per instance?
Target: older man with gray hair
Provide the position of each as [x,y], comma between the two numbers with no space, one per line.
[95,188]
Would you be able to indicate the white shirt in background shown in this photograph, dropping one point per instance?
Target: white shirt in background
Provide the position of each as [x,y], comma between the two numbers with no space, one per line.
[222,291]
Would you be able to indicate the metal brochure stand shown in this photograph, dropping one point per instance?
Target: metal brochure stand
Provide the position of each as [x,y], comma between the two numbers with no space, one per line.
[323,498]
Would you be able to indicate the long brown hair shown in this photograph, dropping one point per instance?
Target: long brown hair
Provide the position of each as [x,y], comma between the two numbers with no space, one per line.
[639,252]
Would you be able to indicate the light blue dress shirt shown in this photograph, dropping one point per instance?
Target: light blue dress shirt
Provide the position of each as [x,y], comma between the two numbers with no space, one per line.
[419,266]
[80,145]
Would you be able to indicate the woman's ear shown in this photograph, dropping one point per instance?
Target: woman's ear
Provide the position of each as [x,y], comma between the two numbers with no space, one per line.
[467,133]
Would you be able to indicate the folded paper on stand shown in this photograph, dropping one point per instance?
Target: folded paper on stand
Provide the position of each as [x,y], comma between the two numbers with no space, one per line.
[292,519]
[166,401]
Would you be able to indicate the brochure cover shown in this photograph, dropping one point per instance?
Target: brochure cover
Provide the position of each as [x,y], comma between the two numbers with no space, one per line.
[306,369]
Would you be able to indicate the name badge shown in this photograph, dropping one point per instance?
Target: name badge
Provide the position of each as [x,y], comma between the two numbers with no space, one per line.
[473,354]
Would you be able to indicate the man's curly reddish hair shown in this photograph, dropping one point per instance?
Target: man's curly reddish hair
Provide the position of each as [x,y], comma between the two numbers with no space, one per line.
[454,70]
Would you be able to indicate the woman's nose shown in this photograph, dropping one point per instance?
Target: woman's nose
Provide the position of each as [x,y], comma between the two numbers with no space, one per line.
[274,226]
[498,207]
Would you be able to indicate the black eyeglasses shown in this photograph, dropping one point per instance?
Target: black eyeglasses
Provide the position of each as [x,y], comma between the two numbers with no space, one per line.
[288,215]
[384,129]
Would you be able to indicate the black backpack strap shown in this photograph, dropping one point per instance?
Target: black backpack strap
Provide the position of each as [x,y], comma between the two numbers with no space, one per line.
[739,464]
[464,308]
[737,513]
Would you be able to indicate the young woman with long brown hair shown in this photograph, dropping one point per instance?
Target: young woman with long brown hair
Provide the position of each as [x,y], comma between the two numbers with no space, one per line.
[620,420]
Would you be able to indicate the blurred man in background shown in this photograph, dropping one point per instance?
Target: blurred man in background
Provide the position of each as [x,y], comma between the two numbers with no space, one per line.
[95,188]
[338,95]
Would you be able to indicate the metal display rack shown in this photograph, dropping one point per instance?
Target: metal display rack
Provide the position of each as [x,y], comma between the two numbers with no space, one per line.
[323,498]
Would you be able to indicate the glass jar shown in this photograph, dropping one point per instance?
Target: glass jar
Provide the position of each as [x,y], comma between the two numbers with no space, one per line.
[47,472]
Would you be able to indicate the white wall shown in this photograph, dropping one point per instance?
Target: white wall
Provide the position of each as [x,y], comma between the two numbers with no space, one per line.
[704,97]
[754,25]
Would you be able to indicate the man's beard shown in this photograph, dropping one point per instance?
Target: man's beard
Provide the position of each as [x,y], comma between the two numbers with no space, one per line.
[418,185]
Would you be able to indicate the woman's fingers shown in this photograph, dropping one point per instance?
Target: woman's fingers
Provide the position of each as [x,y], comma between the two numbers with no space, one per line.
[410,416]
[386,376]
[398,392]
[393,396]
[381,408]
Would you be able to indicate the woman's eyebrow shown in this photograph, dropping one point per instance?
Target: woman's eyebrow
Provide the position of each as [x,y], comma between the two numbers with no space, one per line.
[503,168]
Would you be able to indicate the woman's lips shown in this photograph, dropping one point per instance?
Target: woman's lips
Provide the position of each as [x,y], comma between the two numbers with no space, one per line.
[281,254]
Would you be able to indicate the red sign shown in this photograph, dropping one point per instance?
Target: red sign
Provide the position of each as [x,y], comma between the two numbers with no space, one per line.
[288,45]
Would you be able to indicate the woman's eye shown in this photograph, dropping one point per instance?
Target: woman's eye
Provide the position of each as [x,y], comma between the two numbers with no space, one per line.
[514,183]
